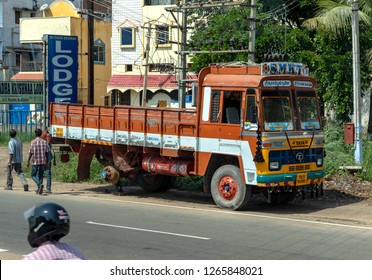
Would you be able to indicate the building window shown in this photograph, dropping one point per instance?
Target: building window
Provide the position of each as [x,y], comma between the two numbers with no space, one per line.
[162,36]
[127,37]
[99,52]
[160,2]
[106,100]
[128,67]
[17,16]
[18,59]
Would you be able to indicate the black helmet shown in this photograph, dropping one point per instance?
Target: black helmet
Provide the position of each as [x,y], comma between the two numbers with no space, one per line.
[47,221]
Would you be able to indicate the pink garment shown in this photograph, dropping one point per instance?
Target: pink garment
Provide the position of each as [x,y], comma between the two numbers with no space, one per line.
[55,251]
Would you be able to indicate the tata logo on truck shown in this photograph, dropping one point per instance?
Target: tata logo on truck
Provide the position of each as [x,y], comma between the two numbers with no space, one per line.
[62,68]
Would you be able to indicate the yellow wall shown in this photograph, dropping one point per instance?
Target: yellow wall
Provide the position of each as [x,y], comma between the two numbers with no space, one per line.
[61,9]
[79,27]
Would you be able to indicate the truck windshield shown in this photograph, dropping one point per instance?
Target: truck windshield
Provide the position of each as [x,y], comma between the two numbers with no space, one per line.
[277,110]
[308,110]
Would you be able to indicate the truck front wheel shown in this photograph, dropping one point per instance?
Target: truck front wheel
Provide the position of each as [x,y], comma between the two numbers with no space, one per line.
[228,189]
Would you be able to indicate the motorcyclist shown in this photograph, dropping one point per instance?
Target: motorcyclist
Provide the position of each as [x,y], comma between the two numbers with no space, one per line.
[48,223]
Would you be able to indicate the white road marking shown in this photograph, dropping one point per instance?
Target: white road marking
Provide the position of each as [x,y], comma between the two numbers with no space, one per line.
[3,250]
[149,230]
[227,212]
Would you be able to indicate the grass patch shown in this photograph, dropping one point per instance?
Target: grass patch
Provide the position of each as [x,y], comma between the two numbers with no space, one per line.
[66,171]
[25,137]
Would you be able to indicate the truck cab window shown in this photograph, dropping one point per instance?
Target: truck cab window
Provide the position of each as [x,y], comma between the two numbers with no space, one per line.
[308,110]
[215,106]
[250,121]
[231,107]
[277,110]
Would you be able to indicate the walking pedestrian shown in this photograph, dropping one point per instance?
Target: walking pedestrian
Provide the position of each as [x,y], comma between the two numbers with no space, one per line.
[48,223]
[48,167]
[15,149]
[39,150]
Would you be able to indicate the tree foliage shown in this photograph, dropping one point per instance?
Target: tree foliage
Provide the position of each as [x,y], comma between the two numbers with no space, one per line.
[221,31]
[335,18]
[328,54]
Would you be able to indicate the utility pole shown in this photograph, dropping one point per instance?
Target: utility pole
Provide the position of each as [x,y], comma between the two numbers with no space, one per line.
[147,54]
[183,8]
[45,85]
[252,33]
[91,54]
[183,70]
[356,82]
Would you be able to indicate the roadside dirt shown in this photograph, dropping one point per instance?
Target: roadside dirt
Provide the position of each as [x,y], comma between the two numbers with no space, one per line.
[346,200]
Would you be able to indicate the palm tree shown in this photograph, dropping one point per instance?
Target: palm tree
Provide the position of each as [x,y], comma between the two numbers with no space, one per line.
[335,17]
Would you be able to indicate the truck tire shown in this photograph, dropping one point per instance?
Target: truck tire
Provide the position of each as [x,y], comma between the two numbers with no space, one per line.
[228,189]
[152,183]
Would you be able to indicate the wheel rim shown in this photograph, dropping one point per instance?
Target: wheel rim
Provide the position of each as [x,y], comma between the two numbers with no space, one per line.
[227,188]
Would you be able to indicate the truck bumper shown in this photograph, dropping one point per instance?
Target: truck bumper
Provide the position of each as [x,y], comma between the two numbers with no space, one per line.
[292,179]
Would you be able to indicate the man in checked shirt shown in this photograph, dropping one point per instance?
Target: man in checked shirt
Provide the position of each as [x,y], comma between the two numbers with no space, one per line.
[39,150]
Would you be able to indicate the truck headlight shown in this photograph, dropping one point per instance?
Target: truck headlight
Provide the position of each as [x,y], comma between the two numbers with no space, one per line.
[274,165]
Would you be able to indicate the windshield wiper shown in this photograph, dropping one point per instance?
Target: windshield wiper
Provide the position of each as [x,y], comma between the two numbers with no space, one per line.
[312,138]
[290,146]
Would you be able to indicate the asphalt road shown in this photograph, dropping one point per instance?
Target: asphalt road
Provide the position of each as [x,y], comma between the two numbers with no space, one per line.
[113,229]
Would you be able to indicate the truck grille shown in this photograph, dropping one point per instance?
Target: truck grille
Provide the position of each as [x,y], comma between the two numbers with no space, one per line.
[293,168]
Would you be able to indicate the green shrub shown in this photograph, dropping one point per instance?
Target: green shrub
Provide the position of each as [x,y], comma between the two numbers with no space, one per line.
[337,153]
[194,183]
[66,171]
[340,154]
[367,161]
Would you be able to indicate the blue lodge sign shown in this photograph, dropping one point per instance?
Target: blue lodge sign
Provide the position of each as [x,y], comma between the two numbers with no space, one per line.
[62,68]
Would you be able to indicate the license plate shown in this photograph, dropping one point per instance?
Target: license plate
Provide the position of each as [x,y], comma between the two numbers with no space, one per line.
[59,132]
[301,179]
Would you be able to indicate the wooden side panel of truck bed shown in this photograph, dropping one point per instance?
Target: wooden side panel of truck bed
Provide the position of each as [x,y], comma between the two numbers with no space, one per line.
[172,130]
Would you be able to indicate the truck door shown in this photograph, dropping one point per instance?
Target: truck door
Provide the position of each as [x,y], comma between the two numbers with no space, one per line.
[230,115]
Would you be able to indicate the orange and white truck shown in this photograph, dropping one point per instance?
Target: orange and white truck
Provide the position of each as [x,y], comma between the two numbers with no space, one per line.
[254,129]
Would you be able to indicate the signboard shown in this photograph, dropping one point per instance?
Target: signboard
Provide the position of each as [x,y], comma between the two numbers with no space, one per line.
[21,99]
[62,68]
[305,84]
[284,68]
[277,83]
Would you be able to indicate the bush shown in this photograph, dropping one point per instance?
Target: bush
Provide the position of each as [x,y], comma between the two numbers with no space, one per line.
[367,161]
[340,154]
[194,183]
[66,171]
[337,152]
